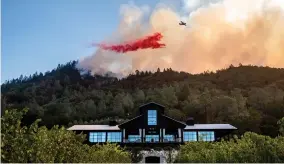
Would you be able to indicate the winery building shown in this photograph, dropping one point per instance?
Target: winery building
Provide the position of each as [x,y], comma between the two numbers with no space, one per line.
[152,127]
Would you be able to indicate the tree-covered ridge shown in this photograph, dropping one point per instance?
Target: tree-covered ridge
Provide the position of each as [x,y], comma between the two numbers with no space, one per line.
[243,77]
[248,97]
[233,77]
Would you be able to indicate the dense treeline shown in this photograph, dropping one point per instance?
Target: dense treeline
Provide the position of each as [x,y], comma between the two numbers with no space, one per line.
[34,144]
[248,97]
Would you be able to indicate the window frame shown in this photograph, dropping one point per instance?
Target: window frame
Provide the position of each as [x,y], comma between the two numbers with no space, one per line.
[148,137]
[114,136]
[190,136]
[207,138]
[96,137]
[169,138]
[152,117]
[134,138]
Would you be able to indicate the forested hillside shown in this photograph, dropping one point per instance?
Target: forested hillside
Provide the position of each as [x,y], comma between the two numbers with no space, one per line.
[248,97]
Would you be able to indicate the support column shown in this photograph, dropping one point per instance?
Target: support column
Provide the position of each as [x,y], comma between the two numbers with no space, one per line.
[160,138]
[181,139]
[179,134]
[143,140]
[164,133]
[140,134]
[123,135]
[106,137]
[197,136]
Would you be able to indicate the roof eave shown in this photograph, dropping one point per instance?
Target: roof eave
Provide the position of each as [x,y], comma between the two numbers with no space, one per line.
[151,103]
[174,120]
[128,121]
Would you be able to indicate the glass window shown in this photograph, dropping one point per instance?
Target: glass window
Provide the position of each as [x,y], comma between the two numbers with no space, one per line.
[114,136]
[206,136]
[189,136]
[169,138]
[150,138]
[97,136]
[152,117]
[134,138]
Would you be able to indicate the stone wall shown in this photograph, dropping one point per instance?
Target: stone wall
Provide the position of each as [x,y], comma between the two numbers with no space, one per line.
[166,156]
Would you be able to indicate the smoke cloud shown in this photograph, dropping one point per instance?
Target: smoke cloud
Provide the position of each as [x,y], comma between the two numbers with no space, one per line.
[218,33]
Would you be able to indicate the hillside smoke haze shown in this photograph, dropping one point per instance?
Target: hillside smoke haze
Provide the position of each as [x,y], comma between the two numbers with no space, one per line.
[218,33]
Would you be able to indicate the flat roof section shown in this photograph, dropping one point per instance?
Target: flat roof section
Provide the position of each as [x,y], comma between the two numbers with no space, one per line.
[195,127]
[209,126]
[93,127]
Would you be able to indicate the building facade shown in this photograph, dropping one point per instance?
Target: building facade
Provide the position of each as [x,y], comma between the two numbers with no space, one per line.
[152,127]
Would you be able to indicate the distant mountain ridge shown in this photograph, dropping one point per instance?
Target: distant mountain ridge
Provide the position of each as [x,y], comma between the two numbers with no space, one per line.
[256,76]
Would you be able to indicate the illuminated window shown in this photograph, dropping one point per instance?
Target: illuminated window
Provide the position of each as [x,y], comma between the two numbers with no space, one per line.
[97,137]
[114,136]
[169,138]
[150,138]
[152,117]
[206,136]
[134,138]
[189,136]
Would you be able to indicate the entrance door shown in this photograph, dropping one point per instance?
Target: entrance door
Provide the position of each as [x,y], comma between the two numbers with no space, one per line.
[152,159]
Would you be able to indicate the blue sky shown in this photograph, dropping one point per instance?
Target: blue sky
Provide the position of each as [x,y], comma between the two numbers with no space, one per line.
[37,35]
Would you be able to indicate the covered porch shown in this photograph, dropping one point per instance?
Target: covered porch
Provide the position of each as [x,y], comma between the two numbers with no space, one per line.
[152,136]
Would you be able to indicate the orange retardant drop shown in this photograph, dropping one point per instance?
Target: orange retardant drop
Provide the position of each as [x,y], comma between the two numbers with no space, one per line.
[144,43]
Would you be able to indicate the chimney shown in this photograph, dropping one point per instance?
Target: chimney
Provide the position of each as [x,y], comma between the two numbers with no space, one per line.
[112,123]
[190,121]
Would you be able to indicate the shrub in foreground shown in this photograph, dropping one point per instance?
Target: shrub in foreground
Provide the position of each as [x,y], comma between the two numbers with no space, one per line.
[251,147]
[56,145]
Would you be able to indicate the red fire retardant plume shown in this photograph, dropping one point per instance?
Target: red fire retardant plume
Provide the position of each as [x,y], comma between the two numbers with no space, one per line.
[144,43]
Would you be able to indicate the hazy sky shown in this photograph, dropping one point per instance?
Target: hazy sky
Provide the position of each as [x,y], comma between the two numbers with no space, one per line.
[37,35]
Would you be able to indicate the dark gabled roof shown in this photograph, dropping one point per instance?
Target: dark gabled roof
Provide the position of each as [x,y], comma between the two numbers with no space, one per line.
[161,107]
[151,103]
[174,120]
[129,121]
